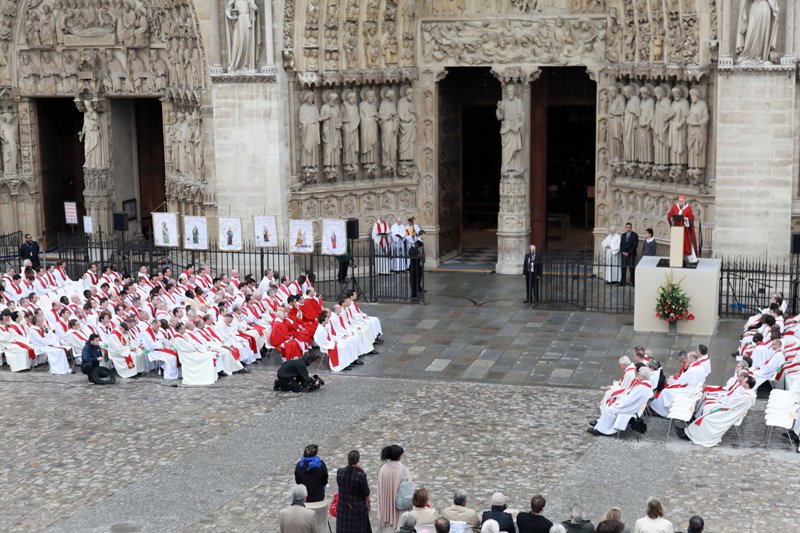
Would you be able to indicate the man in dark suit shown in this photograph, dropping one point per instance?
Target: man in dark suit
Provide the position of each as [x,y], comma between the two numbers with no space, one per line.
[629,242]
[532,270]
[29,250]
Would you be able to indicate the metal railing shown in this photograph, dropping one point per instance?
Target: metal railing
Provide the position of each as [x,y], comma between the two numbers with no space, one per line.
[361,269]
[9,250]
[747,285]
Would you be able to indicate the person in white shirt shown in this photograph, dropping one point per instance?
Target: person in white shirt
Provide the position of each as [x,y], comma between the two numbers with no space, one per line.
[654,521]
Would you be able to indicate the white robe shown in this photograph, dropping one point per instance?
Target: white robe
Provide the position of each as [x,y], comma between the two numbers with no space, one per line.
[349,346]
[619,386]
[342,326]
[766,370]
[55,353]
[708,430]
[198,367]
[397,235]
[686,384]
[327,343]
[155,346]
[382,240]
[119,350]
[613,272]
[17,357]
[617,415]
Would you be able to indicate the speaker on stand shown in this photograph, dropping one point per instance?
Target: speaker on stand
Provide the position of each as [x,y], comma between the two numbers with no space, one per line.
[351,284]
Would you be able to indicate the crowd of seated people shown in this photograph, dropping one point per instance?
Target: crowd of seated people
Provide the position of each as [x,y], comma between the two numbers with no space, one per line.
[194,326]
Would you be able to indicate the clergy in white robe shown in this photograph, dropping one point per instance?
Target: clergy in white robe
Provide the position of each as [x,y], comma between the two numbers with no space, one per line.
[328,345]
[380,237]
[227,360]
[621,385]
[18,352]
[398,238]
[611,245]
[373,322]
[156,348]
[198,367]
[342,327]
[687,383]
[625,406]
[76,339]
[708,429]
[767,369]
[127,359]
[350,346]
[43,340]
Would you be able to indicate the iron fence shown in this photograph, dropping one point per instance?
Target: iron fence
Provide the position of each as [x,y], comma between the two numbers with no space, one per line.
[9,249]
[385,278]
[747,284]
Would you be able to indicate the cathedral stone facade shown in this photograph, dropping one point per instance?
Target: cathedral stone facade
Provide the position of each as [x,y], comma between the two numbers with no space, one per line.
[315,109]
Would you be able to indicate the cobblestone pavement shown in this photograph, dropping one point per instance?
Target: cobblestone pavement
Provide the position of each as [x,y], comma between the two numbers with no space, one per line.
[483,397]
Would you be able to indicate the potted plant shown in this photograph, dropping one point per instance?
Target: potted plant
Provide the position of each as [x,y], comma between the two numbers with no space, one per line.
[672,304]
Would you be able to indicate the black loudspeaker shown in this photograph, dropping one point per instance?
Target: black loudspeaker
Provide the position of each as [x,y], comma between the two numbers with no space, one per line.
[120,221]
[352,228]
[796,243]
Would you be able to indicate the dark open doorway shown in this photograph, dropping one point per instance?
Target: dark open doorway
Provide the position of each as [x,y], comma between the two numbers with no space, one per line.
[563,159]
[61,162]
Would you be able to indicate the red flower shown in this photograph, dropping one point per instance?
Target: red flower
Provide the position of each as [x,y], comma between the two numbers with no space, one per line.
[690,317]
[658,315]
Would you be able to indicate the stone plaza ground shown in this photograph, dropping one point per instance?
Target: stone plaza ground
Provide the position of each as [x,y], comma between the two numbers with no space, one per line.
[482,392]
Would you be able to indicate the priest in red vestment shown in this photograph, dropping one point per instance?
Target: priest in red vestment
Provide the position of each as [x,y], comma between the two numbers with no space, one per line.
[690,250]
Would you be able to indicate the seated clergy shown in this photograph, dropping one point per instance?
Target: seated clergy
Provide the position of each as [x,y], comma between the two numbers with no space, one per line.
[687,383]
[625,406]
[197,366]
[19,354]
[713,396]
[43,340]
[619,386]
[767,368]
[708,429]
[127,358]
[154,342]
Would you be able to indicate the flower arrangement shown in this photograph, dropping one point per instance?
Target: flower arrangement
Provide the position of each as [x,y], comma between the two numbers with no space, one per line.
[672,303]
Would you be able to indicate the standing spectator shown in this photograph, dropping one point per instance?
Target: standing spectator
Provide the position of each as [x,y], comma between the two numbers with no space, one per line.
[312,472]
[534,522]
[696,524]
[650,245]
[352,510]
[532,270]
[654,521]
[390,476]
[30,251]
[629,242]
[498,513]
[459,512]
[613,517]
[423,512]
[417,256]
[296,518]
[577,522]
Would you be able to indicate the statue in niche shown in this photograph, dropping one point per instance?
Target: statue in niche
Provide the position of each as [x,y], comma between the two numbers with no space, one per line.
[177,143]
[5,72]
[94,149]
[9,143]
[677,126]
[186,133]
[408,125]
[47,27]
[644,144]
[197,144]
[661,119]
[757,33]
[369,130]
[350,44]
[50,73]
[697,125]
[309,133]
[331,119]
[389,123]
[350,123]
[158,70]
[632,112]
[391,46]
[511,115]
[616,123]
[31,29]
[244,37]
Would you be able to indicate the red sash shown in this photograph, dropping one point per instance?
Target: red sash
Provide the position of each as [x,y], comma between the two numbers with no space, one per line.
[250,340]
[700,420]
[128,358]
[333,353]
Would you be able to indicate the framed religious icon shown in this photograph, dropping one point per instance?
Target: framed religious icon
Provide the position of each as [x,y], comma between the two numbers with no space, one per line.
[230,234]
[301,237]
[334,237]
[165,230]
[266,230]
[129,208]
[195,233]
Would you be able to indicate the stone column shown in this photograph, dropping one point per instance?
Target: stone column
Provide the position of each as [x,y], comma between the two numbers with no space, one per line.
[98,176]
[514,218]
[427,106]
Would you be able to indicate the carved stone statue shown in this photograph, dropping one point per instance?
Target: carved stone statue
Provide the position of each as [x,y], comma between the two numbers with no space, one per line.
[677,126]
[5,71]
[94,148]
[632,112]
[389,123]
[616,124]
[408,125]
[644,144]
[661,117]
[309,133]
[244,37]
[697,122]
[350,122]
[331,118]
[757,33]
[511,115]
[369,130]
[9,143]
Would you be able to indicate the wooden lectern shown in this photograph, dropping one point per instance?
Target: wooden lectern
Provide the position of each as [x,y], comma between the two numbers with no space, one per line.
[676,242]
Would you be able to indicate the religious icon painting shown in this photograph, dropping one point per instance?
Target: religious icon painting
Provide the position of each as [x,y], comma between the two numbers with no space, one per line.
[195,233]
[266,231]
[301,237]
[334,237]
[165,230]
[230,234]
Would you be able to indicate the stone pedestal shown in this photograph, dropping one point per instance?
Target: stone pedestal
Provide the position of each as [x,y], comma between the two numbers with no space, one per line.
[701,284]
[676,246]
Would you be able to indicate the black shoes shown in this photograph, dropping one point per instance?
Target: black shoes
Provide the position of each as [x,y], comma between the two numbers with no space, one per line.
[358,362]
[682,434]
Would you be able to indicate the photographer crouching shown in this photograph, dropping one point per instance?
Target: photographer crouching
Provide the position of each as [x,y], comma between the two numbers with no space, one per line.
[293,375]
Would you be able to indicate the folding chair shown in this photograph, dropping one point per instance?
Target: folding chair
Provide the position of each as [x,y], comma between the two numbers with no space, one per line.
[778,414]
[683,408]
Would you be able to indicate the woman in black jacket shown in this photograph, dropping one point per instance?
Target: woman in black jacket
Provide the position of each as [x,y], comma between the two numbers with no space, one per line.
[312,472]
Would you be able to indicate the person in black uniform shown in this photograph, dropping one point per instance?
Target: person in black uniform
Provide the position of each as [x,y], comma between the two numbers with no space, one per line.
[293,375]
[629,242]
[532,270]
[30,250]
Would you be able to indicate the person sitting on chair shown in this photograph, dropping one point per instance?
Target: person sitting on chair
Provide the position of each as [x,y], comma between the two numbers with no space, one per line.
[293,375]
